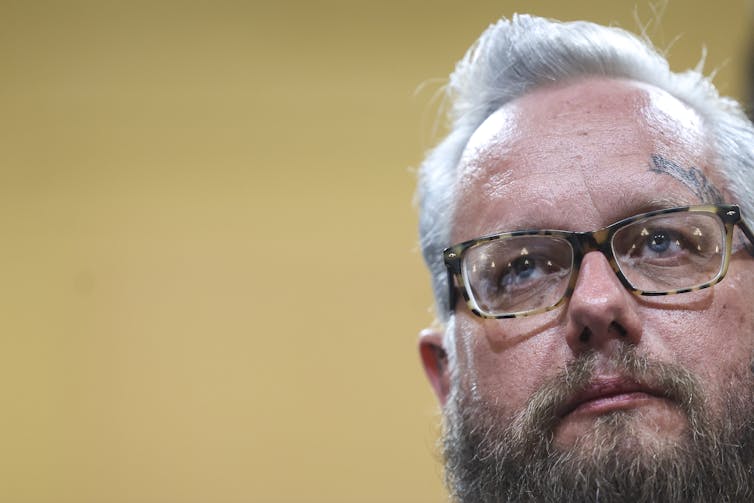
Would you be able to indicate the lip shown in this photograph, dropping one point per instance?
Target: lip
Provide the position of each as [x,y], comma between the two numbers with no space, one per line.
[608,394]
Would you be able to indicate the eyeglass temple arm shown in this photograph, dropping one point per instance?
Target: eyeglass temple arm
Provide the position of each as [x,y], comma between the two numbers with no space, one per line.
[452,291]
[749,235]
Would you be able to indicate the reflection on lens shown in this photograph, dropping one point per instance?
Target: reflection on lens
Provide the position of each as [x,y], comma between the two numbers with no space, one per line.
[517,274]
[671,252]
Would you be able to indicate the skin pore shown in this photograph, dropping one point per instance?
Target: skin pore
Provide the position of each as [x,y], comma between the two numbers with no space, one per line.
[609,377]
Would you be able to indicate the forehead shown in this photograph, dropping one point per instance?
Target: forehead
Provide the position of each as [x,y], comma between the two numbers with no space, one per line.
[578,157]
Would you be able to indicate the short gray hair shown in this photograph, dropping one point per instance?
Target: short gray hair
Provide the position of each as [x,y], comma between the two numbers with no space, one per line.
[513,57]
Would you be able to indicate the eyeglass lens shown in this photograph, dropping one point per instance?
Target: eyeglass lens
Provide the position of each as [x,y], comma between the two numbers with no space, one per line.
[656,254]
[519,273]
[670,252]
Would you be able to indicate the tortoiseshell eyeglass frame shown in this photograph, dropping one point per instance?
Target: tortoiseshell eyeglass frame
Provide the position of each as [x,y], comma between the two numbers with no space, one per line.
[585,242]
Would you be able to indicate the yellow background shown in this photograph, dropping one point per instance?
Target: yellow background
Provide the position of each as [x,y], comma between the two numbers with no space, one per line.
[210,282]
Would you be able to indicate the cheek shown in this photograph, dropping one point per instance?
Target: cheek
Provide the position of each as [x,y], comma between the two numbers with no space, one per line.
[503,362]
[725,335]
[715,341]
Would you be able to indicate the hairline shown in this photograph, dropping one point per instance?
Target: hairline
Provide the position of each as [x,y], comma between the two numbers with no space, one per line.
[718,116]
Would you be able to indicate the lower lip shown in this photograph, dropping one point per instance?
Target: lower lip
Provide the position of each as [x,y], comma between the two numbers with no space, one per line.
[611,403]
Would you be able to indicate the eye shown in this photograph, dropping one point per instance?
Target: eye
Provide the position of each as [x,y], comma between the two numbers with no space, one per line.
[518,273]
[661,241]
[521,269]
[667,252]
[660,245]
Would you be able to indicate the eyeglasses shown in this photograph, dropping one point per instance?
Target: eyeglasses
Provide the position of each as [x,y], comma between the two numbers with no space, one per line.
[521,273]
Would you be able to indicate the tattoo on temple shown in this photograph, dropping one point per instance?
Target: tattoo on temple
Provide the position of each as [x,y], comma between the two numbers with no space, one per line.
[691,177]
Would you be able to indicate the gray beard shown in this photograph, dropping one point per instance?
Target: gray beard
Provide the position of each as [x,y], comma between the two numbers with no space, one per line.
[713,461]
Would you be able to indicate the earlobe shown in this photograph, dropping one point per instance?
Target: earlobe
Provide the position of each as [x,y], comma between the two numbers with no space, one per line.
[435,361]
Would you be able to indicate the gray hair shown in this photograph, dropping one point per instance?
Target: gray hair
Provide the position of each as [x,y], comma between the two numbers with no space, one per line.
[513,57]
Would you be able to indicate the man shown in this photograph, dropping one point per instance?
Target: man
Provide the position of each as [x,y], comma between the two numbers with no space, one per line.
[583,226]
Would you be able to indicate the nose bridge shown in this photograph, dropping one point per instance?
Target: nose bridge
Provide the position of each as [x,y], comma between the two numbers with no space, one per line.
[588,242]
[593,241]
[600,307]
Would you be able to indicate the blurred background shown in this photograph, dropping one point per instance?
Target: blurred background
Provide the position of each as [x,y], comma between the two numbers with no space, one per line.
[210,283]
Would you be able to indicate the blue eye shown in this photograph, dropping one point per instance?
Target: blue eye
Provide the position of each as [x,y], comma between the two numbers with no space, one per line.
[520,270]
[523,267]
[659,242]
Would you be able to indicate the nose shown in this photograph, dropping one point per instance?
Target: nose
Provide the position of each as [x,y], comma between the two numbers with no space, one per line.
[600,311]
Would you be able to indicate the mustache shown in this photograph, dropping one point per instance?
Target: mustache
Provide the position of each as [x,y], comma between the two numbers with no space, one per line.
[546,406]
[493,455]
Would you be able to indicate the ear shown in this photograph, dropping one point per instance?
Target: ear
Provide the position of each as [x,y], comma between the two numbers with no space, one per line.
[435,361]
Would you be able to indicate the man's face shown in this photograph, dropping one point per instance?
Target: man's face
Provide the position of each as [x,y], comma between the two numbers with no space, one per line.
[580,157]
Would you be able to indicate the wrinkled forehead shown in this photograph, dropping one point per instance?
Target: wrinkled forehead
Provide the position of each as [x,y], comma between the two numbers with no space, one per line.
[589,143]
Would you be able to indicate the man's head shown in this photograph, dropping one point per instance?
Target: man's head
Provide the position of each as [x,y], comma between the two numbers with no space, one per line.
[573,384]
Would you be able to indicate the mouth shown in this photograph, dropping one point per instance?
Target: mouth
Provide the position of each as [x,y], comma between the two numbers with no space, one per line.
[603,395]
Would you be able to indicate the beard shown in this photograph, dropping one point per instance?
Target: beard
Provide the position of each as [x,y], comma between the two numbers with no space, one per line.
[712,460]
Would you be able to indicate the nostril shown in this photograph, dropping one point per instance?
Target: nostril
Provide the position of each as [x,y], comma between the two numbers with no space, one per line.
[586,332]
[619,329]
[585,335]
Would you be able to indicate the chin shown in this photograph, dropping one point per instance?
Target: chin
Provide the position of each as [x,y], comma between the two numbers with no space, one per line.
[648,429]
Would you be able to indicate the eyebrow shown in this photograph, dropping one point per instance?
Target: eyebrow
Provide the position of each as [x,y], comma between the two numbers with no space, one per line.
[692,177]
[658,203]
